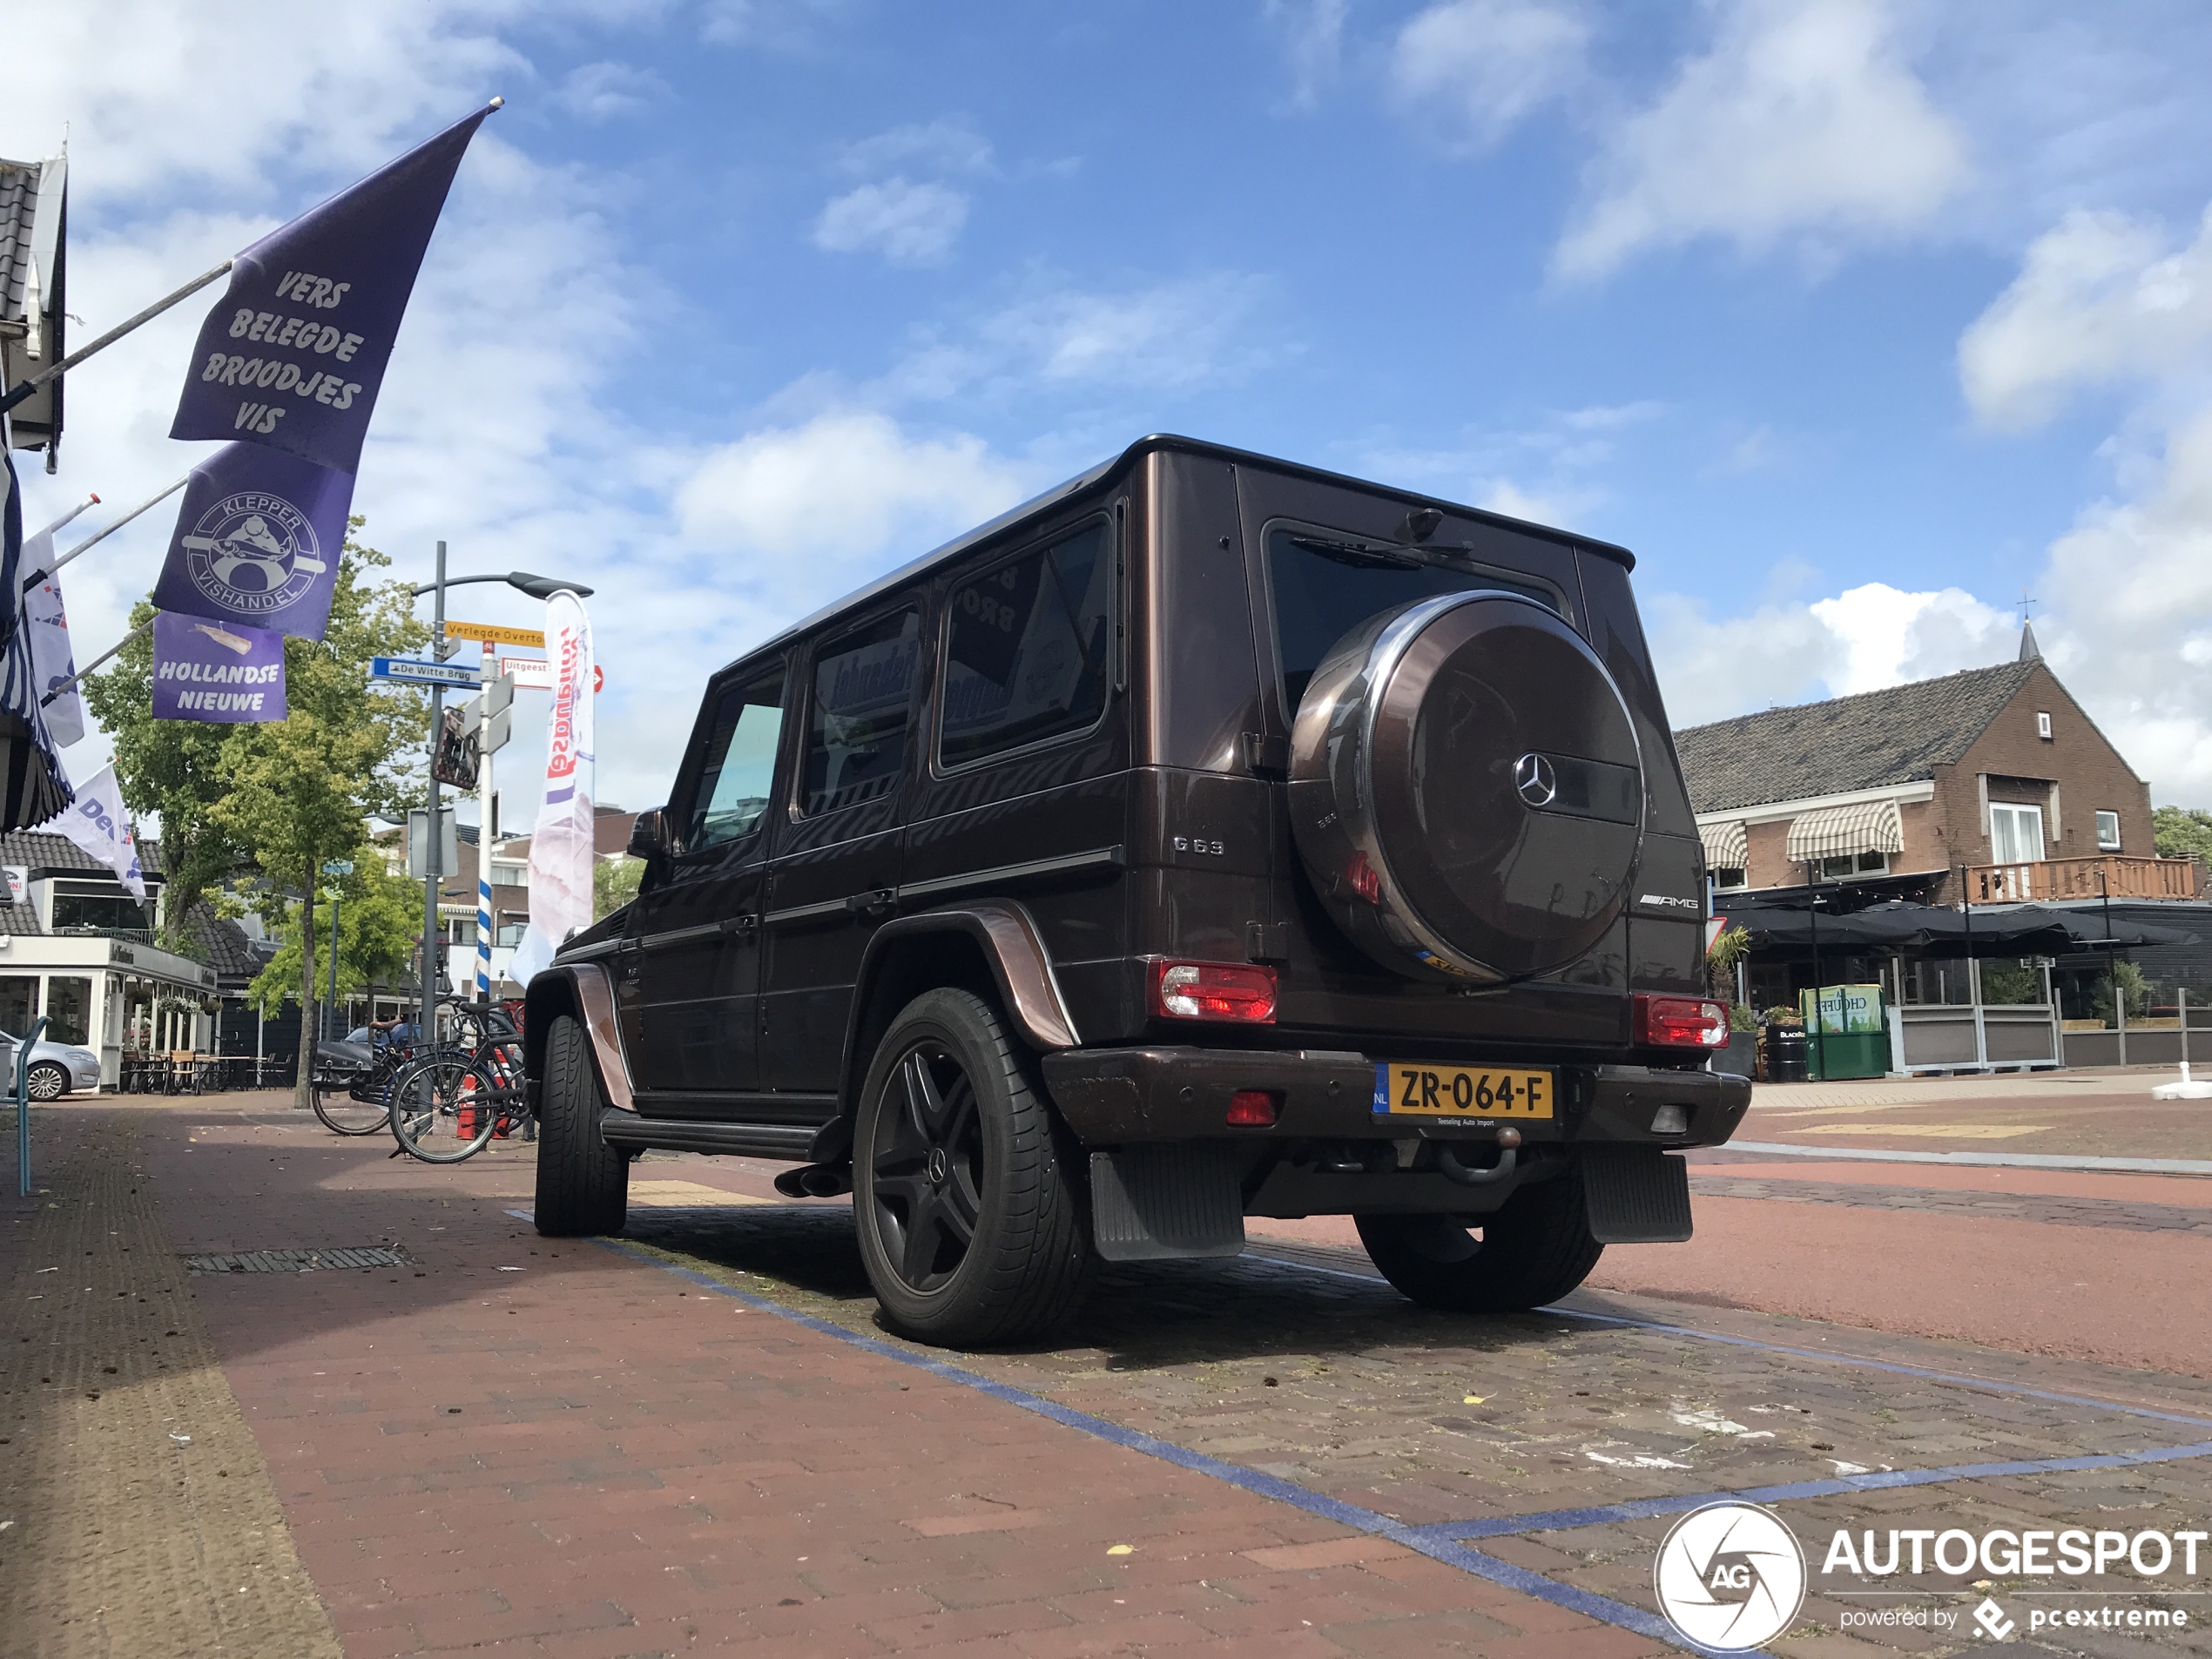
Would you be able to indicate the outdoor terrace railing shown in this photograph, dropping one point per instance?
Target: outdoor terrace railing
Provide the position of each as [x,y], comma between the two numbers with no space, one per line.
[2121,877]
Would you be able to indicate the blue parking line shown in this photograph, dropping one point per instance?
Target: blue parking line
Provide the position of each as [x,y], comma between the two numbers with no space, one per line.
[1876,1480]
[1449,1552]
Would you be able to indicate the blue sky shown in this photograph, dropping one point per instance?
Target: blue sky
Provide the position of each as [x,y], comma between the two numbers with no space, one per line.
[1855,321]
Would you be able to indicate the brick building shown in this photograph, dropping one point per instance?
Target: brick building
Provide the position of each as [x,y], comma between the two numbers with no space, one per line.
[1992,783]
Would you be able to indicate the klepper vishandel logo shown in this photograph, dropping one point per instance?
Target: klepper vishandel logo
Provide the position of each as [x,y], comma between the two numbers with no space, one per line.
[253,552]
[1730,1576]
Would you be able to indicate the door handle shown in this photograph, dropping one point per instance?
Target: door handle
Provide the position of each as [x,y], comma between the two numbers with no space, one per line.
[875,901]
[746,925]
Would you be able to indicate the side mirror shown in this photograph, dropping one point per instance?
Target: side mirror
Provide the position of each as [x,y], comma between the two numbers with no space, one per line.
[649,837]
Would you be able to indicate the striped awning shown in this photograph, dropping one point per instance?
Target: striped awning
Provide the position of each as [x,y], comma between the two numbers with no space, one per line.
[1726,846]
[1838,831]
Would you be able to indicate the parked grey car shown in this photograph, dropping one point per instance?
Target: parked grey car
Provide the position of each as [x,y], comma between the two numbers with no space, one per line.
[55,1068]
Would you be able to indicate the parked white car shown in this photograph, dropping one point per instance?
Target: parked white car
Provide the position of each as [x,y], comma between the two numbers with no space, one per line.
[55,1068]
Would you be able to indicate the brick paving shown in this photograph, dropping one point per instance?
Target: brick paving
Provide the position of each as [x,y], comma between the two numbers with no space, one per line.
[2051,1211]
[596,1455]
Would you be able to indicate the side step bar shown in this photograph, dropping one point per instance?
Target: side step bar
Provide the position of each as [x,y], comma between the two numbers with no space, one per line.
[635,1134]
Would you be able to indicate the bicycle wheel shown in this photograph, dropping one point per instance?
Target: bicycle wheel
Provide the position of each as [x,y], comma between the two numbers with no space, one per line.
[443,1109]
[343,1112]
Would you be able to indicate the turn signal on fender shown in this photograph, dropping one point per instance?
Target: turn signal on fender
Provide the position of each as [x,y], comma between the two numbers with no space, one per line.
[1239,991]
[1680,1023]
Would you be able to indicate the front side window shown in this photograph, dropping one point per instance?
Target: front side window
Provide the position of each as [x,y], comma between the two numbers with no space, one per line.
[1027,649]
[738,769]
[2107,832]
[857,719]
[2016,833]
[1327,582]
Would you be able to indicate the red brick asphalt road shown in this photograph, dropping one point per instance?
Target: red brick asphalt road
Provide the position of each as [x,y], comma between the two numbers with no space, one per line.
[590,1457]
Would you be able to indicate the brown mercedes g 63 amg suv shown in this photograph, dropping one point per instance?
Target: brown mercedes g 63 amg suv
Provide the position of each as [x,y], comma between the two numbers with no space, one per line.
[1210,837]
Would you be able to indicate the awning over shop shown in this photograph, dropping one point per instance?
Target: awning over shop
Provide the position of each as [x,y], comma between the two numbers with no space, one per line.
[1840,832]
[1929,930]
[1726,846]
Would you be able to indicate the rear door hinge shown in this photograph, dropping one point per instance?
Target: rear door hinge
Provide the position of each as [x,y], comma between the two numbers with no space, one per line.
[1267,942]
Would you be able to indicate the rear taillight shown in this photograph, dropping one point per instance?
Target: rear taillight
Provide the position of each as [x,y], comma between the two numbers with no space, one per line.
[1680,1023]
[1239,991]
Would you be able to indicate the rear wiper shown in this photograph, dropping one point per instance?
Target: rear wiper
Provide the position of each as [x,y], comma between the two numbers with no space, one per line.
[1386,556]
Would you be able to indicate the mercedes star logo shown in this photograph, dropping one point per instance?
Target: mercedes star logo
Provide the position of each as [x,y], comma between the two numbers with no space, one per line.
[1534,778]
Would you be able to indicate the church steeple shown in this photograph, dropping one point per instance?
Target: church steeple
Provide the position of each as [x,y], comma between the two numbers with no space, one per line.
[2029,652]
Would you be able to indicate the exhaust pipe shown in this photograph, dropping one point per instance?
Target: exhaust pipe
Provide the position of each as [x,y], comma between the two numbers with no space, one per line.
[816,1181]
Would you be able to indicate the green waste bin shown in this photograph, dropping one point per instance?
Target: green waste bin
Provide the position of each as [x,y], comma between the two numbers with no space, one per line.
[1850,1038]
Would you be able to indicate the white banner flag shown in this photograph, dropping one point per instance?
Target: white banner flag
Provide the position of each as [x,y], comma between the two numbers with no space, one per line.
[563,850]
[46,627]
[98,823]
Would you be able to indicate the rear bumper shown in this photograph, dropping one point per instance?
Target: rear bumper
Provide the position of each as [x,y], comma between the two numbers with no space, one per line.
[1116,1096]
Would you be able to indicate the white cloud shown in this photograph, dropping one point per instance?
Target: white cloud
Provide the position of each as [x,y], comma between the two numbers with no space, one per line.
[1490,61]
[907,223]
[1888,636]
[1803,121]
[2100,297]
[1312,33]
[602,91]
[844,489]
[951,145]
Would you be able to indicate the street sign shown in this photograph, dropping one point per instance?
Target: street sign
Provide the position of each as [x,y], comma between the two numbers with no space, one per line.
[535,673]
[418,843]
[338,867]
[498,695]
[497,734]
[493,634]
[414,672]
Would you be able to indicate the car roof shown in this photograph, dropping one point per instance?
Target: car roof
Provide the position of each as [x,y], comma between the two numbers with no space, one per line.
[1060,494]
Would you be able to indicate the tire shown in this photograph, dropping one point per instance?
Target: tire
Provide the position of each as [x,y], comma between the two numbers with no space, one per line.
[436,1114]
[343,1114]
[972,1223]
[48,1081]
[1533,1251]
[582,1184]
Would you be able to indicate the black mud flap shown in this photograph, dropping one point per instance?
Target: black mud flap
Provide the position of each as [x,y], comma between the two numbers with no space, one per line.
[1152,1203]
[1635,1195]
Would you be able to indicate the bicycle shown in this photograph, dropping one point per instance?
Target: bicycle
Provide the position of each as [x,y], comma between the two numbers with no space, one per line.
[448,1104]
[357,1102]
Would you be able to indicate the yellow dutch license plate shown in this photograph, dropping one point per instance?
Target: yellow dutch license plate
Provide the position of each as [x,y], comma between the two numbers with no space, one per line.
[1461,1091]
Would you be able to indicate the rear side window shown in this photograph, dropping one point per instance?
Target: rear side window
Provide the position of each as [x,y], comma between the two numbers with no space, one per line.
[857,719]
[1326,583]
[739,771]
[1026,649]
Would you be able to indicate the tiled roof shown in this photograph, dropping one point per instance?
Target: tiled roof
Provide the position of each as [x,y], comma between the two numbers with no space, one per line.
[20,920]
[18,197]
[1899,735]
[38,851]
[223,944]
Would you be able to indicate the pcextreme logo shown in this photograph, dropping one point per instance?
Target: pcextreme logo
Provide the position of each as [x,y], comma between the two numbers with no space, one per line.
[1730,1576]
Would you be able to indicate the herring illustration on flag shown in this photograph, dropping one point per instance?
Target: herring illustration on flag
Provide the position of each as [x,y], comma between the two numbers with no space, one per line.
[98,823]
[294,355]
[258,542]
[45,622]
[564,843]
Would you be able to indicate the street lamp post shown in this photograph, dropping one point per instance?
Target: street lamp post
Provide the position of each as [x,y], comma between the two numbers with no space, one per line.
[538,587]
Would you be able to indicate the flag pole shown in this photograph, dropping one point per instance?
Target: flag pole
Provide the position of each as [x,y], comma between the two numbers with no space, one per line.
[96,662]
[17,394]
[85,546]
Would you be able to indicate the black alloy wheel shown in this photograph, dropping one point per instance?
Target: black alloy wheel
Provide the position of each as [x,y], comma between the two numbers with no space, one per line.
[970,1207]
[929,1163]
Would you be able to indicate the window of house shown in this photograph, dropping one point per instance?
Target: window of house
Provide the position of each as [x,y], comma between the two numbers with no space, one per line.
[510,932]
[1854,864]
[2043,727]
[18,1003]
[1028,649]
[739,767]
[69,1006]
[2107,832]
[84,904]
[1726,880]
[2016,833]
[857,719]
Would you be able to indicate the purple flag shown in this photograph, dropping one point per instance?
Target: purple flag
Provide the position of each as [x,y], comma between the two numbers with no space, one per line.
[216,671]
[294,355]
[258,542]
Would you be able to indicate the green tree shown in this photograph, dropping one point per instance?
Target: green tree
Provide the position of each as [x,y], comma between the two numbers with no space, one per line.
[380,925]
[279,798]
[614,884]
[2182,832]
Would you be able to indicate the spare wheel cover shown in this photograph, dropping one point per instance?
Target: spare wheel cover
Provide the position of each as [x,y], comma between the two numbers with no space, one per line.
[1467,790]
